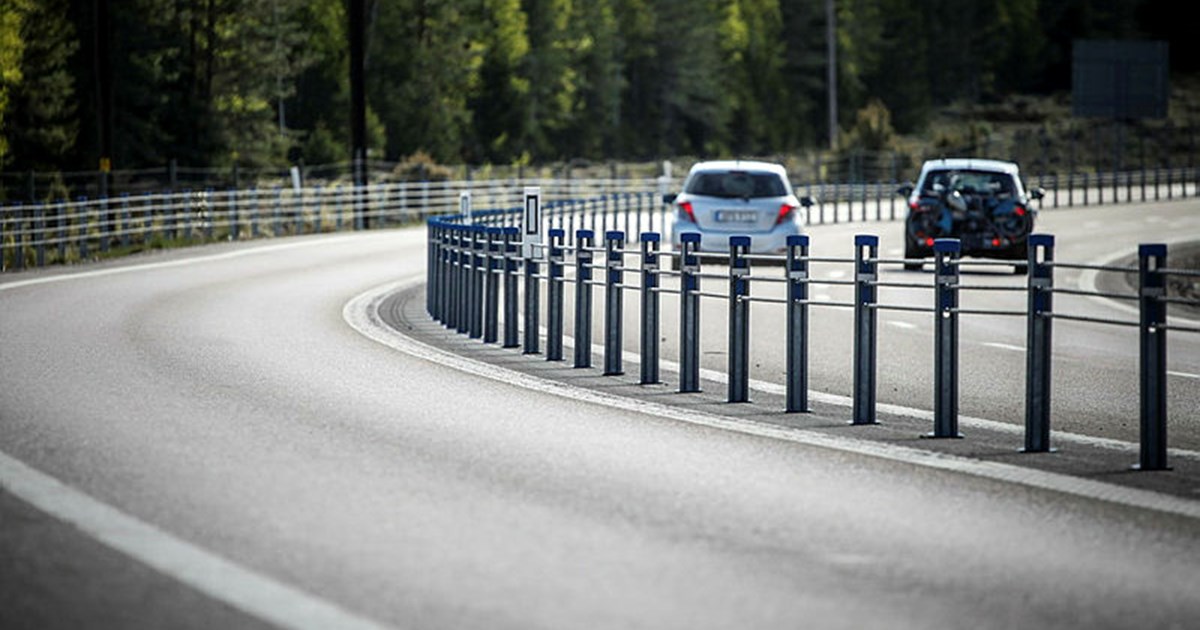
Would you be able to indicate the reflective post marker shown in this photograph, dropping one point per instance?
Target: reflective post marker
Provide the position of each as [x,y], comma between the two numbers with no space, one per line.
[531,241]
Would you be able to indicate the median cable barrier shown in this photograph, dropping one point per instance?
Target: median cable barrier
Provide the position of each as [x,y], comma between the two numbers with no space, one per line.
[472,264]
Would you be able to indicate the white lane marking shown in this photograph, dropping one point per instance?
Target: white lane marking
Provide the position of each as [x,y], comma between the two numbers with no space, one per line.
[249,591]
[899,324]
[1183,374]
[361,313]
[837,273]
[167,264]
[823,297]
[1004,346]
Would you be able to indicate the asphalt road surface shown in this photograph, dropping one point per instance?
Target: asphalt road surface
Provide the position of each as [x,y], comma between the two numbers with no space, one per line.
[201,439]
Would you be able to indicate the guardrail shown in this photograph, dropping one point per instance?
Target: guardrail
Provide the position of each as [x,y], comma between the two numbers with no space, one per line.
[81,229]
[477,276]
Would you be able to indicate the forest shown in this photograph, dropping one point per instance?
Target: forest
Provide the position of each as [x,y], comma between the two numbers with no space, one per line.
[261,83]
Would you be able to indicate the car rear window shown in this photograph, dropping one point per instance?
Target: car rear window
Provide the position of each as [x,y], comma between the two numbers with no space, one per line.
[968,182]
[739,184]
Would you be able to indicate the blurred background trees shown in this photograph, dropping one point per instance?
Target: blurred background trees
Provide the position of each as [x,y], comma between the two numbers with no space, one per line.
[265,82]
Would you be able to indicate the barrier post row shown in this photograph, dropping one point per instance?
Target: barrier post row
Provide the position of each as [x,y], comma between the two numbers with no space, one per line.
[651,243]
[443,272]
[1038,347]
[689,313]
[866,294]
[583,298]
[945,339]
[797,323]
[1153,353]
[491,289]
[739,320]
[554,297]
[614,242]
[510,287]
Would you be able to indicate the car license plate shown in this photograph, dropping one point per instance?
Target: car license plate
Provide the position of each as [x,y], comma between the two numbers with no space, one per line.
[737,216]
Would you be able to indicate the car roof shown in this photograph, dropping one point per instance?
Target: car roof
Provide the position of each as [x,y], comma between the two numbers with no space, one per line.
[972,164]
[739,165]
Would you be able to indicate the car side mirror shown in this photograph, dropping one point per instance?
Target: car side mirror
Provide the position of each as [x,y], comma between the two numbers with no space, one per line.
[905,190]
[807,201]
[1037,192]
[669,198]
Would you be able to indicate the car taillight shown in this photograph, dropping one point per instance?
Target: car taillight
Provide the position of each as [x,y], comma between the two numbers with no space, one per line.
[914,206]
[1019,211]
[686,208]
[929,242]
[785,213]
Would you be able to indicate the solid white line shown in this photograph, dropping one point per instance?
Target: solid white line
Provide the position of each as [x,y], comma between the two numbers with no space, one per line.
[1183,374]
[249,591]
[361,313]
[183,262]
[1004,346]
[899,324]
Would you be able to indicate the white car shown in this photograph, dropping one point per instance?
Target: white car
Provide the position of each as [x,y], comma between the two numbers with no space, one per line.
[738,198]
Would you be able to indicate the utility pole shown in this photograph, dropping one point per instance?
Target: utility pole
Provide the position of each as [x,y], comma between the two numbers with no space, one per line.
[831,45]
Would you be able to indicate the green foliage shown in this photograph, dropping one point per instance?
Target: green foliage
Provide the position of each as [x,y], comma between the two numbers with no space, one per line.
[514,82]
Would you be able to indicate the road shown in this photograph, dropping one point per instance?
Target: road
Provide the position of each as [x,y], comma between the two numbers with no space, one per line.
[199,439]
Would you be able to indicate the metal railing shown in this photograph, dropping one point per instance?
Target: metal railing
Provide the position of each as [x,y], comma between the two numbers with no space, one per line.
[476,271]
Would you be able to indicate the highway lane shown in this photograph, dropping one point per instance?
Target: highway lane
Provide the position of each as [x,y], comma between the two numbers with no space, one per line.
[219,397]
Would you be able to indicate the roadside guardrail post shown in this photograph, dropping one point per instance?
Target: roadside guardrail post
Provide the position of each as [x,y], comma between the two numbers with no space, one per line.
[554,297]
[532,301]
[431,269]
[452,277]
[689,313]
[1153,353]
[478,272]
[583,298]
[491,290]
[945,339]
[462,314]
[739,320]
[39,228]
[614,242]
[797,323]
[125,220]
[866,294]
[510,286]
[651,242]
[1038,347]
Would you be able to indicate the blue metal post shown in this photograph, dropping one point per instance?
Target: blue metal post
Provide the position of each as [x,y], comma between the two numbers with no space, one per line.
[1153,354]
[554,297]
[533,296]
[689,313]
[866,294]
[945,339]
[797,323]
[614,281]
[491,294]
[478,271]
[1038,346]
[739,320]
[583,298]
[650,303]
[510,287]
